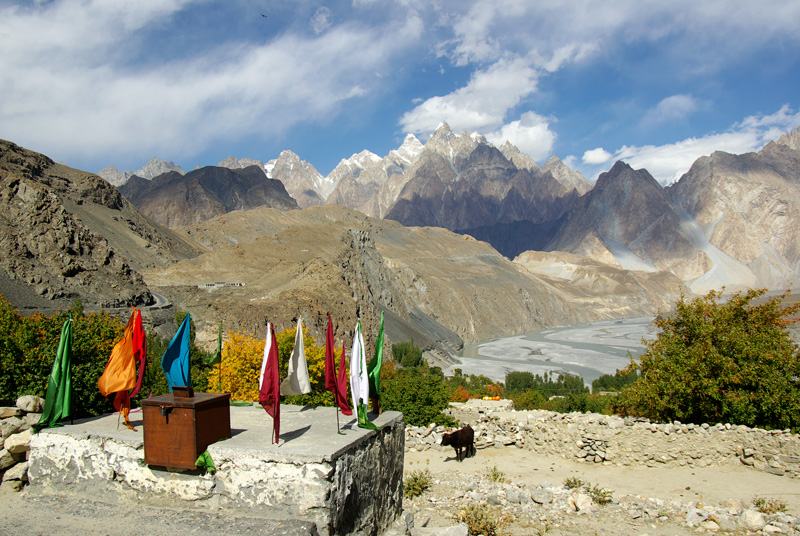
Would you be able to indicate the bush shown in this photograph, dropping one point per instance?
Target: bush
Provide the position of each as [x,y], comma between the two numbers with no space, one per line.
[416,483]
[481,519]
[407,354]
[28,348]
[720,361]
[421,395]
[528,400]
[614,382]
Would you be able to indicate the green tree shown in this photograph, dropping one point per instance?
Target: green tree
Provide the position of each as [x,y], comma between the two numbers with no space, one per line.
[407,354]
[718,360]
[518,382]
[420,394]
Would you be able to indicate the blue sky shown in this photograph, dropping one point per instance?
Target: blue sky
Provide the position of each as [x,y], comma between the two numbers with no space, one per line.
[95,83]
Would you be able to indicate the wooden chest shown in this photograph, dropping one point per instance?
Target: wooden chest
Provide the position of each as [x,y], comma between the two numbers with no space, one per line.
[178,429]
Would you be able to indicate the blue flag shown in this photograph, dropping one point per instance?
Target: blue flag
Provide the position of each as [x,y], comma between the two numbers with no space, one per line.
[175,361]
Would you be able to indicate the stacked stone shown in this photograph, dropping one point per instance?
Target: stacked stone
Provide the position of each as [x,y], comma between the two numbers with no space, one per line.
[15,438]
[592,449]
[610,439]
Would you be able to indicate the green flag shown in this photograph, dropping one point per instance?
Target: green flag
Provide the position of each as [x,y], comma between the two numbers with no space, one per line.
[217,357]
[374,366]
[58,400]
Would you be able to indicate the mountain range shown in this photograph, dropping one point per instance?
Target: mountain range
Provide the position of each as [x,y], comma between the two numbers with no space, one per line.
[246,241]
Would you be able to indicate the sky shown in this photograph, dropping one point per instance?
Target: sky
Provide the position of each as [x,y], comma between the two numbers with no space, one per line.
[97,83]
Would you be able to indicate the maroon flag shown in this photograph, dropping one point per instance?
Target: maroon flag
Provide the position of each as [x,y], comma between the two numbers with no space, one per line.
[269,390]
[341,387]
[330,363]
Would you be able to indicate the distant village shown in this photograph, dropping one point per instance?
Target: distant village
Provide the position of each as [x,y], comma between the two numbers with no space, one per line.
[219,284]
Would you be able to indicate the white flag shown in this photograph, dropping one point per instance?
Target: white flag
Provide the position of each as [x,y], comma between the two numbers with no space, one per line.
[296,382]
[359,382]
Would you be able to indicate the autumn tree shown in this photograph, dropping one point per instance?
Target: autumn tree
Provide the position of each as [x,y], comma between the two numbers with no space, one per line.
[717,360]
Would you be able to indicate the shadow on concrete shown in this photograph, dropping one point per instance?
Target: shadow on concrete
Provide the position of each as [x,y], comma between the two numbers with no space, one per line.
[294,434]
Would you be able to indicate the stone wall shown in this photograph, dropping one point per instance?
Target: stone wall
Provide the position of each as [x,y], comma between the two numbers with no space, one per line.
[15,438]
[609,439]
[353,487]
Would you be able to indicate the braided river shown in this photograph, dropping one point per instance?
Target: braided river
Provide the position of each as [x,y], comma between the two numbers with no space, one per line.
[586,350]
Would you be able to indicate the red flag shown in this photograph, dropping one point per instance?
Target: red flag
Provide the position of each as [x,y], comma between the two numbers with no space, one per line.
[330,363]
[269,390]
[341,387]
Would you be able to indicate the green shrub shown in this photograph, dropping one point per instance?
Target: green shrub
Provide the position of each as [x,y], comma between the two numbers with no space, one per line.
[495,475]
[574,482]
[421,395]
[481,519]
[416,483]
[769,506]
[720,361]
[407,354]
[528,400]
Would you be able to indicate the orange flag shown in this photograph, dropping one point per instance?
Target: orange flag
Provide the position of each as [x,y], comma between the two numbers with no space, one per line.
[120,372]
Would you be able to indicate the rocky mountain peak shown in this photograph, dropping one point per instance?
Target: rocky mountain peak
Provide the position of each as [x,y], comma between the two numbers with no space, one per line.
[566,176]
[115,177]
[301,180]
[156,167]
[520,159]
[410,150]
[234,163]
[790,140]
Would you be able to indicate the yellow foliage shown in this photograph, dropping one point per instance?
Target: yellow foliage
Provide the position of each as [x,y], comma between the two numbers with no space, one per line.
[241,364]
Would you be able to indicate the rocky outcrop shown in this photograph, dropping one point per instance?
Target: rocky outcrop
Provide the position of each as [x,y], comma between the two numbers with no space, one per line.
[54,225]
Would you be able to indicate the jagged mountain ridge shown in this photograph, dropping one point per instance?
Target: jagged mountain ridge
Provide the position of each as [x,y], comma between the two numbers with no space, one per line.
[729,221]
[173,199]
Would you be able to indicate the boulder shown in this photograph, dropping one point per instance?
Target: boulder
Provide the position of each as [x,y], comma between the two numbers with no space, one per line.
[6,412]
[18,443]
[30,403]
[752,520]
[17,472]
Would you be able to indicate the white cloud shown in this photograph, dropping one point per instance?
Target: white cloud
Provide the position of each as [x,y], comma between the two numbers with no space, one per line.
[321,20]
[70,95]
[667,163]
[531,134]
[671,109]
[481,105]
[596,156]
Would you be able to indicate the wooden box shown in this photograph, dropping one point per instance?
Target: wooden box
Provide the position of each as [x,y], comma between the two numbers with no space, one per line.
[178,429]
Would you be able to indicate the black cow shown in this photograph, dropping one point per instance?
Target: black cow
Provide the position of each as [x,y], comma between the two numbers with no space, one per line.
[461,439]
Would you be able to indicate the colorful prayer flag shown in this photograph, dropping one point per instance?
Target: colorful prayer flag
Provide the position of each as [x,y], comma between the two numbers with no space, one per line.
[296,381]
[268,388]
[119,375]
[374,366]
[359,382]
[217,357]
[175,361]
[341,387]
[58,400]
[330,360]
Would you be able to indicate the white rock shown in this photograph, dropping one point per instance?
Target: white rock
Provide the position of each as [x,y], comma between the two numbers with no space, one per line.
[581,502]
[18,443]
[752,520]
[17,472]
[6,459]
[30,403]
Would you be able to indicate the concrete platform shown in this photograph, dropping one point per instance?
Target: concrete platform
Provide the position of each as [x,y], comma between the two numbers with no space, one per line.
[345,483]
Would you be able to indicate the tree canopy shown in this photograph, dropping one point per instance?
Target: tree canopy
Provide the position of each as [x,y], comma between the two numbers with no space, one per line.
[720,360]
